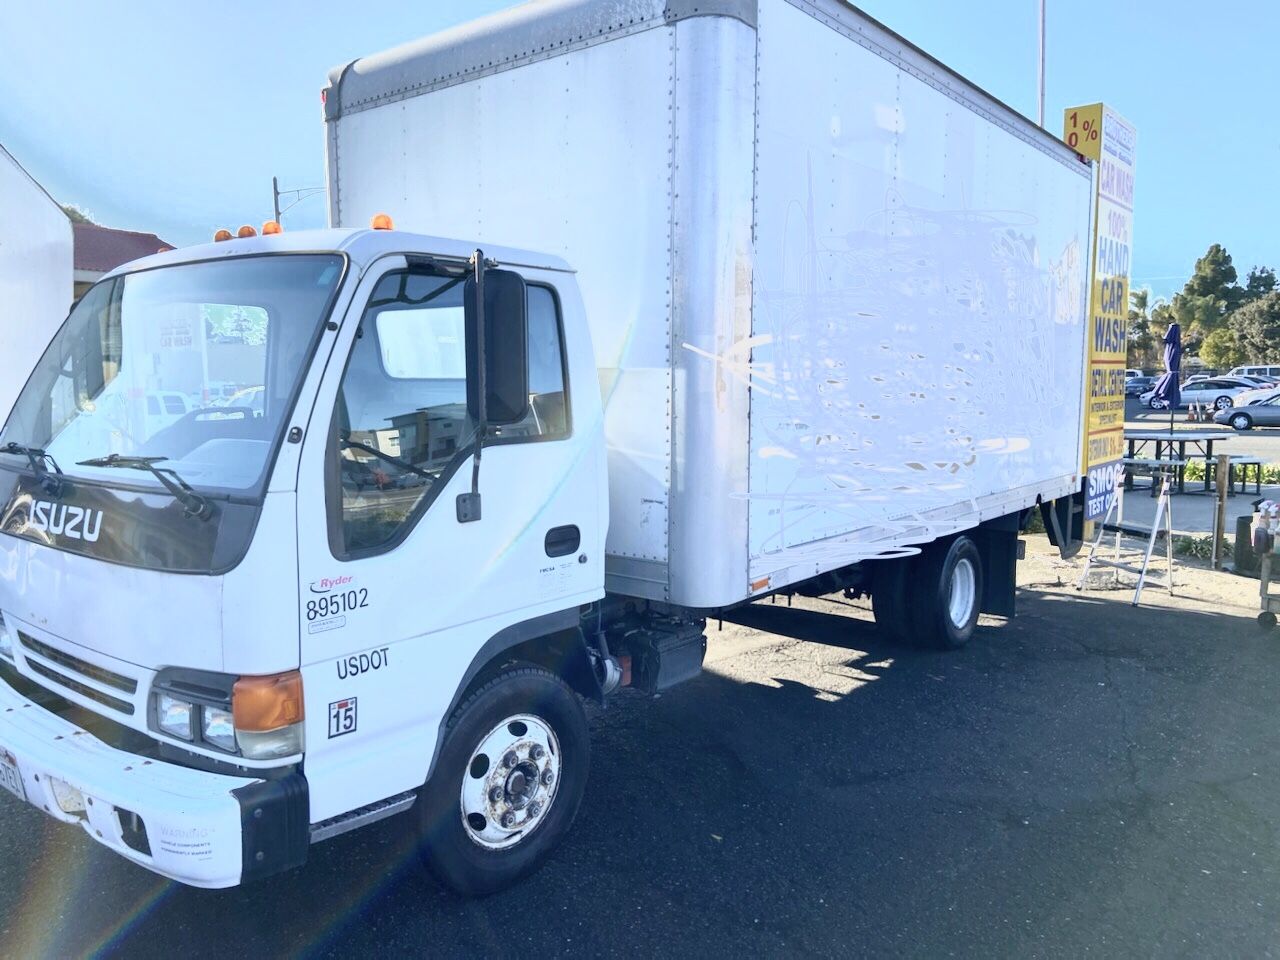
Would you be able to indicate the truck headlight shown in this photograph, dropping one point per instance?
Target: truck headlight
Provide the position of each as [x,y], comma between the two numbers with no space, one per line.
[173,716]
[259,718]
[217,728]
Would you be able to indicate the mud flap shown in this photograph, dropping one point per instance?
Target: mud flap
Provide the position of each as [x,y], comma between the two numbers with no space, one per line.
[1064,523]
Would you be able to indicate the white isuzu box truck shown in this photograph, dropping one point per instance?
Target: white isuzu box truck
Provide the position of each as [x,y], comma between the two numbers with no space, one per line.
[693,303]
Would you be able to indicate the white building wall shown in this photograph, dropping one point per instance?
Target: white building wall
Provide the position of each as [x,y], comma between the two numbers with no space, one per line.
[35,275]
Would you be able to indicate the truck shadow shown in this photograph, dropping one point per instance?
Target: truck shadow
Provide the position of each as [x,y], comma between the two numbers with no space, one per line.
[815,788]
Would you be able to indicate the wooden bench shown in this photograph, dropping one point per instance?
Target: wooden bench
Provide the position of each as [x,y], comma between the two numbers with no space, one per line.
[1155,469]
[1240,466]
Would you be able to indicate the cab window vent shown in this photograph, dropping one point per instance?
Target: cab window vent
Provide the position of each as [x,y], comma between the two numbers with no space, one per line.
[105,677]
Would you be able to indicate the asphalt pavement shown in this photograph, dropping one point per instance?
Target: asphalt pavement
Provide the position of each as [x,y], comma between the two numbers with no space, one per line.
[1088,779]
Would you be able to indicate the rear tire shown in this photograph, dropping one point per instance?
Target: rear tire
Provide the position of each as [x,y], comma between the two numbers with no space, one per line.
[525,717]
[1223,403]
[947,595]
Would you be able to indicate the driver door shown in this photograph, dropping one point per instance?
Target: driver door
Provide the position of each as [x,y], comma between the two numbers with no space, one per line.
[397,595]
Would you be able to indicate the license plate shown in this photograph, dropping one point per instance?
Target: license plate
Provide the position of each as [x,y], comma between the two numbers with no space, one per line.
[10,778]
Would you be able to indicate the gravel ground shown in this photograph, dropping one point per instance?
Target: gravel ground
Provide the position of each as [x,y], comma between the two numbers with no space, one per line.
[1087,779]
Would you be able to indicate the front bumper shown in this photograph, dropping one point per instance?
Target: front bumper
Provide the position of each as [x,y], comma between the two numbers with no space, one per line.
[199,828]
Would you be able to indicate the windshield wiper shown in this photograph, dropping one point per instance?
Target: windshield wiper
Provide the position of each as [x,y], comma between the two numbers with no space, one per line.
[402,464]
[193,504]
[37,458]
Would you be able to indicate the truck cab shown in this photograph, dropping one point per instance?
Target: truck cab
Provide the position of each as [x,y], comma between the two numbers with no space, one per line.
[232,633]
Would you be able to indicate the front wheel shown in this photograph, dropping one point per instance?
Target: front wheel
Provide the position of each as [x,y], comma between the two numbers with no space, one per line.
[1241,421]
[1222,403]
[507,782]
[945,610]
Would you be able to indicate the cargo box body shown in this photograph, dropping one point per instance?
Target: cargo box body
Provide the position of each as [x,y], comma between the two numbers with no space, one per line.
[837,294]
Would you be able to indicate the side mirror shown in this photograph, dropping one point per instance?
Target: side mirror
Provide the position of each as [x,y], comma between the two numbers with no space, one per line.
[504,344]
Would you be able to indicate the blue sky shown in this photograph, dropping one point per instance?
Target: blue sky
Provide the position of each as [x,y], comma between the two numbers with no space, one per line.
[174,117]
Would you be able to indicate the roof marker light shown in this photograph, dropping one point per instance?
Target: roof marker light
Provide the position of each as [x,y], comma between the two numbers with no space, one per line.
[381,221]
[271,228]
[245,232]
[221,235]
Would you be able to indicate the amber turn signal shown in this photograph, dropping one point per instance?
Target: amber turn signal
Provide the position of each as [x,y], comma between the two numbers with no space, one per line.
[267,703]
[221,235]
[245,232]
[271,227]
[381,221]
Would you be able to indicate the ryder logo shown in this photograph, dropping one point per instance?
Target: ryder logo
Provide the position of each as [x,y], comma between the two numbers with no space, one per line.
[326,584]
[60,520]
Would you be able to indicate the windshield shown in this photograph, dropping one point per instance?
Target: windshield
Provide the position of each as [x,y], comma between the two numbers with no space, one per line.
[197,364]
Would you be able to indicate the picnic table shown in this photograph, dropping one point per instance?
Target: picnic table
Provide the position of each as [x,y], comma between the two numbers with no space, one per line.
[1165,443]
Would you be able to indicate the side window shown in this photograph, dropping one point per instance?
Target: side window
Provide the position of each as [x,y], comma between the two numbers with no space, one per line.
[401,423]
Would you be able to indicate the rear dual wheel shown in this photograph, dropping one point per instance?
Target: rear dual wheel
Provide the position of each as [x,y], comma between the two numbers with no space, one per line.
[931,600]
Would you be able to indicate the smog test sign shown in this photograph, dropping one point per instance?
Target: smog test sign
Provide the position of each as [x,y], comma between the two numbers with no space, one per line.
[1099,133]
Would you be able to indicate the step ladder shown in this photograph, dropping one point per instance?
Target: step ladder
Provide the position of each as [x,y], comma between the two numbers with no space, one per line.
[1161,527]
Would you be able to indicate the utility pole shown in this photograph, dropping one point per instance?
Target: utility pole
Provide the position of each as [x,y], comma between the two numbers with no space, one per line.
[298,196]
[1041,119]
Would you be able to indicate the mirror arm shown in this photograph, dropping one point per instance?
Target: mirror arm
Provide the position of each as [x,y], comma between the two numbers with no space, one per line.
[468,504]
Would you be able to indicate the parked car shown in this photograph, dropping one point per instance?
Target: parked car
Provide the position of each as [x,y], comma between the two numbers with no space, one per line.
[1264,370]
[1263,413]
[1137,386]
[1218,392]
[1133,373]
[1250,397]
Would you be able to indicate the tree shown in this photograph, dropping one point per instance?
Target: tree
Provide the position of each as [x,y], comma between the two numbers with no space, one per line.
[1209,296]
[1141,342]
[1257,329]
[1221,349]
[1214,277]
[76,215]
[1259,282]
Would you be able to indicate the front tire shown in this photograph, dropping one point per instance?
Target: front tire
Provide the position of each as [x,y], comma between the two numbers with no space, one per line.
[1241,421]
[945,607]
[507,783]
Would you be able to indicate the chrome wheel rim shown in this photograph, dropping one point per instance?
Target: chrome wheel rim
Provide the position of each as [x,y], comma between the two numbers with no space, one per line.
[964,589]
[510,782]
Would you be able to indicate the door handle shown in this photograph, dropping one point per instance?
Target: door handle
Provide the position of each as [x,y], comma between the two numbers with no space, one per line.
[562,541]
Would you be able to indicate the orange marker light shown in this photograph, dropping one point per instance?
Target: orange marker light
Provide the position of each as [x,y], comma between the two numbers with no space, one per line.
[260,704]
[271,228]
[245,232]
[221,235]
[381,221]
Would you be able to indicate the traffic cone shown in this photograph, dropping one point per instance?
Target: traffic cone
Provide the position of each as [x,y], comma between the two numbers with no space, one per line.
[1191,413]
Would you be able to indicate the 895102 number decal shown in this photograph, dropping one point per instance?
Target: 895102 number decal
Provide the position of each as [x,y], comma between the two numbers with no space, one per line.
[336,604]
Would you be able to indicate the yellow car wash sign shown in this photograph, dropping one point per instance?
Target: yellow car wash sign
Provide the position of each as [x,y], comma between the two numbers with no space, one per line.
[1102,135]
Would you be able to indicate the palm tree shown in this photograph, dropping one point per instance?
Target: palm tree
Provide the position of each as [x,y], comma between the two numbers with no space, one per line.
[1141,341]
